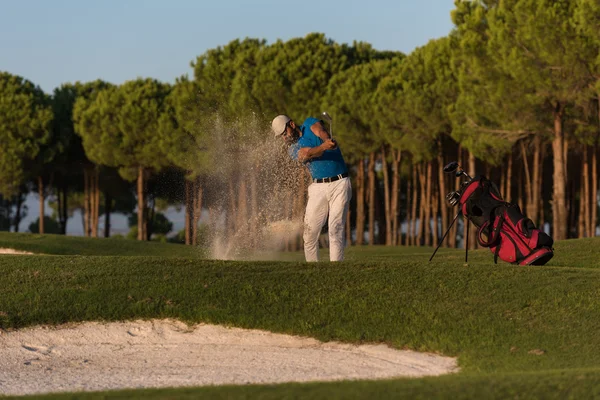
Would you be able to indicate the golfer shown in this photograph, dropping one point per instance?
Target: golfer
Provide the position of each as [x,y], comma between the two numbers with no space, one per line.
[330,191]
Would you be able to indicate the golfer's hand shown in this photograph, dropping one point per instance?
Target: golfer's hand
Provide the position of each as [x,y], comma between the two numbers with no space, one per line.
[329,144]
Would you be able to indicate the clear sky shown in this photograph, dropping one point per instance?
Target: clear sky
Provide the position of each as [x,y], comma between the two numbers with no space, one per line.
[54,41]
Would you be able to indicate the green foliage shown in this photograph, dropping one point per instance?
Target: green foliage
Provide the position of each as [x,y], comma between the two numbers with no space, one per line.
[293,75]
[223,74]
[6,214]
[160,223]
[178,238]
[203,234]
[25,121]
[51,226]
[65,129]
[488,115]
[350,100]
[120,126]
[521,63]
[186,129]
[413,98]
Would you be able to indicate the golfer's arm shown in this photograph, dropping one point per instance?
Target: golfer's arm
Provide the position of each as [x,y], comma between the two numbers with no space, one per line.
[318,129]
[306,153]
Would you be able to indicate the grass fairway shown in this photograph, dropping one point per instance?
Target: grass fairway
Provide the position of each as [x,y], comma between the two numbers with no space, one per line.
[74,245]
[518,332]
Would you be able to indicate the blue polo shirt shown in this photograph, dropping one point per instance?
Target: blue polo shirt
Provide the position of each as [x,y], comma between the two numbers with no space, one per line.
[331,163]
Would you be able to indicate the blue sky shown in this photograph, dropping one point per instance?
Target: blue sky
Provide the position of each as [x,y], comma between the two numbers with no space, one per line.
[51,42]
[54,41]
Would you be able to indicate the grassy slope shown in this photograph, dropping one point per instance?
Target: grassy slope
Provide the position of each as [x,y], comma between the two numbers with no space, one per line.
[569,384]
[490,316]
[74,245]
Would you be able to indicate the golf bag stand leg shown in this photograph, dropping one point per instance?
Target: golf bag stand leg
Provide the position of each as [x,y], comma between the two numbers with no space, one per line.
[445,234]
[467,239]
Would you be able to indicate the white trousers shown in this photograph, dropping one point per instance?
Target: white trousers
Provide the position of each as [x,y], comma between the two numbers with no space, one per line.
[325,199]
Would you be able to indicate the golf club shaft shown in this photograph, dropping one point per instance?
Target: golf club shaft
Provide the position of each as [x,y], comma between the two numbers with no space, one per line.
[467,240]
[445,234]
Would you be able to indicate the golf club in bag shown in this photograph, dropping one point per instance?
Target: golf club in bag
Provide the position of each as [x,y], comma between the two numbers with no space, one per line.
[501,226]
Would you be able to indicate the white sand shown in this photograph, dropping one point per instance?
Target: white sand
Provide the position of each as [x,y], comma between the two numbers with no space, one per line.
[4,250]
[166,353]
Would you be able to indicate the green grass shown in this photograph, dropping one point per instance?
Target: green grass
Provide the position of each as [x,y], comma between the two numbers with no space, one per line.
[518,332]
[73,245]
[570,384]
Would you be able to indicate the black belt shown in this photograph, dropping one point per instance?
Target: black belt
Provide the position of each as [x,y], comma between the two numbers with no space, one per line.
[331,178]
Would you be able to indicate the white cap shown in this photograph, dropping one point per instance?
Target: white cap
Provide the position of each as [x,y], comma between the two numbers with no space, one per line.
[279,123]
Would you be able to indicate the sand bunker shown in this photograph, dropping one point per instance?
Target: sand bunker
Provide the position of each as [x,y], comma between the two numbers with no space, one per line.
[4,250]
[149,354]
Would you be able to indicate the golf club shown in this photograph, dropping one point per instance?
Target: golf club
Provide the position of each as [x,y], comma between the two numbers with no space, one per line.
[455,167]
[328,118]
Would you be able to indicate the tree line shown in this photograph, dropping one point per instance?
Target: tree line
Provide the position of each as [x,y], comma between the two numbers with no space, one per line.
[513,93]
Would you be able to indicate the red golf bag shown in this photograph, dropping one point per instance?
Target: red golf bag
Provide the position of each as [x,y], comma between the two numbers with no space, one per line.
[501,226]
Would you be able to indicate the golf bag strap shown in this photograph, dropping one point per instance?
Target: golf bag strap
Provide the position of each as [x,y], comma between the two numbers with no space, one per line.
[493,236]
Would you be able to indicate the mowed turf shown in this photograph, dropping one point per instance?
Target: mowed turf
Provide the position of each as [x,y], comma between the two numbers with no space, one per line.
[518,332]
[74,245]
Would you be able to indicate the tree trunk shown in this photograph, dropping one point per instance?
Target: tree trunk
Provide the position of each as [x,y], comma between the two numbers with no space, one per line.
[107,211]
[413,213]
[59,203]
[472,165]
[189,212]
[96,202]
[65,209]
[86,202]
[435,203]
[428,203]
[586,197]
[42,200]
[541,214]
[502,186]
[197,209]
[407,237]
[141,197]
[443,191]
[18,212]
[537,181]
[473,171]
[386,198]
[395,211]
[380,227]
[572,210]
[520,191]
[360,203]
[529,187]
[423,203]
[559,214]
[371,176]
[508,191]
[594,205]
